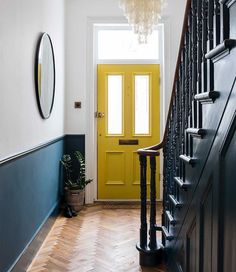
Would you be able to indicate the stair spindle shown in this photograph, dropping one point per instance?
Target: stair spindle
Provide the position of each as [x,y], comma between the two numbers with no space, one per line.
[210,44]
[143,197]
[194,48]
[199,60]
[152,232]
[224,21]
[204,45]
[216,23]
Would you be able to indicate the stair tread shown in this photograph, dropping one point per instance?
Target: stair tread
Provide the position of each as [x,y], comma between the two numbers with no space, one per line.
[188,159]
[196,132]
[170,218]
[181,183]
[220,50]
[166,233]
[176,203]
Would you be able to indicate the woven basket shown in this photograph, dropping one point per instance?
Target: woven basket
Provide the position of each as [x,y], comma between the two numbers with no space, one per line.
[75,198]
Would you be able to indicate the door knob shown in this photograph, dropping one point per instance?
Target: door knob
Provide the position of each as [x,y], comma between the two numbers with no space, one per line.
[99,114]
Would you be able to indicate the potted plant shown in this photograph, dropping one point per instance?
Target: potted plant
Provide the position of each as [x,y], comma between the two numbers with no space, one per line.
[75,181]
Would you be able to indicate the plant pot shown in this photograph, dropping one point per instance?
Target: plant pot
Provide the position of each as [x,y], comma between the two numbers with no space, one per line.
[75,198]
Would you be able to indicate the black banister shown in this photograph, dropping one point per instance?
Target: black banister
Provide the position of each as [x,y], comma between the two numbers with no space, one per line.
[205,25]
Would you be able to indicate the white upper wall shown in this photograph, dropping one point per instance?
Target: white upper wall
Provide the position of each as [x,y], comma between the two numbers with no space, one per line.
[21,22]
[78,13]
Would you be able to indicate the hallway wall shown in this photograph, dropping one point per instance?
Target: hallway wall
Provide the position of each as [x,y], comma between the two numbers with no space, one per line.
[77,15]
[21,23]
[29,179]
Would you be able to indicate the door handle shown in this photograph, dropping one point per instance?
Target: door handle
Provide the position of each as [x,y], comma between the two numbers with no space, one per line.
[99,114]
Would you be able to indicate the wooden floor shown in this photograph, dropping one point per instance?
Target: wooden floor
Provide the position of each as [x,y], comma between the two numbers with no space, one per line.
[101,238]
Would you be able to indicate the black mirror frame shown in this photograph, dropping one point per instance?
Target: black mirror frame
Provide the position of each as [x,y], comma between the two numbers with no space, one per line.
[36,75]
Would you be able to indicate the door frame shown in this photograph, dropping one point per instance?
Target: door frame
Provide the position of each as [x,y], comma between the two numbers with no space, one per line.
[91,95]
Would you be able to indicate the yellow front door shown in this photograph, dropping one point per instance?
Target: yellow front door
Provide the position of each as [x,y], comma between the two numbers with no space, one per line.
[128,119]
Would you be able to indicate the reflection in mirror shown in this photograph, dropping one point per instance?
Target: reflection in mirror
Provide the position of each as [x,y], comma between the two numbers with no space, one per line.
[45,75]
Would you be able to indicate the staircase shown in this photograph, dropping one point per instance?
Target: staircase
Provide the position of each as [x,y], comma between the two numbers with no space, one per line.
[199,146]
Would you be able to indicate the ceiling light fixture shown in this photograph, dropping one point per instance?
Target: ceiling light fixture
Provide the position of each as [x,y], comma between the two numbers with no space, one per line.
[142,15]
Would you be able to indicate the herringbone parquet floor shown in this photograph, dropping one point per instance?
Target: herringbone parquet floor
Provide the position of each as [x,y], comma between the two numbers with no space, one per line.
[100,239]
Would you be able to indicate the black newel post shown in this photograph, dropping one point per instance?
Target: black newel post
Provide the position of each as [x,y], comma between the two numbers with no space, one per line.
[149,254]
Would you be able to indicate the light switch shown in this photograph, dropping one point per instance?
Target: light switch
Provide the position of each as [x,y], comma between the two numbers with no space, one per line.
[77,105]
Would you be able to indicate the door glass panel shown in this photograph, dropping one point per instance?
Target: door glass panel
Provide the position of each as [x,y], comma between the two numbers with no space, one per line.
[115,104]
[142,107]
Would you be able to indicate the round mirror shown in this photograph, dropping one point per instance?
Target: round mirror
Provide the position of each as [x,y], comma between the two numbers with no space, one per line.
[45,75]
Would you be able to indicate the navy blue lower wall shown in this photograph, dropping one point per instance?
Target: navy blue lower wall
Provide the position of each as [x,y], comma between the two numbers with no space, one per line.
[30,189]
[74,143]
[29,192]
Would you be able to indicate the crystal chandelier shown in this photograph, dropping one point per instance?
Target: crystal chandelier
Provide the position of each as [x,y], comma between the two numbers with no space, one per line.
[142,15]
